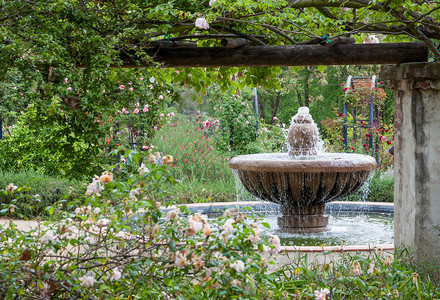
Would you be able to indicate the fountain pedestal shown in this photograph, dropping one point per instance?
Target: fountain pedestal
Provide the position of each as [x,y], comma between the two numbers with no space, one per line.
[307,219]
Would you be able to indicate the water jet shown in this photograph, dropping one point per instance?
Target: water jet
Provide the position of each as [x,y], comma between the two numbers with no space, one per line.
[303,180]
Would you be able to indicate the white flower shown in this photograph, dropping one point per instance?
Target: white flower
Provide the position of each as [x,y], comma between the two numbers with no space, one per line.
[371,39]
[228,228]
[152,79]
[321,294]
[11,187]
[389,260]
[88,281]
[172,214]
[116,275]
[276,243]
[254,238]
[201,23]
[371,269]
[47,237]
[97,210]
[181,261]
[238,266]
[134,193]
[103,222]
[195,226]
[142,169]
[356,268]
[94,187]
[211,2]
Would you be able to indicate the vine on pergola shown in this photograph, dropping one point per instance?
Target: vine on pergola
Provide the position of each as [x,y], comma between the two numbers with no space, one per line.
[92,32]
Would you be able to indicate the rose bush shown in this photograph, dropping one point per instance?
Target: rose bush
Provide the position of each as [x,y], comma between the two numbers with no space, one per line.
[121,244]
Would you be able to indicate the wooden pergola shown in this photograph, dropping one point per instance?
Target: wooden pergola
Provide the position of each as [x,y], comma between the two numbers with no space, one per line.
[264,56]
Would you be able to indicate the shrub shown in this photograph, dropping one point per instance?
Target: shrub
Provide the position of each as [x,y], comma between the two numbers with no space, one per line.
[49,191]
[379,188]
[198,164]
[121,245]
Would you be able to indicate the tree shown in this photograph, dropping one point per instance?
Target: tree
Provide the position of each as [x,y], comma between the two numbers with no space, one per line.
[47,41]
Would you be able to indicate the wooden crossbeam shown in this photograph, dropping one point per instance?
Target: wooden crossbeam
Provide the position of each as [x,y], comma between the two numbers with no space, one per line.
[300,55]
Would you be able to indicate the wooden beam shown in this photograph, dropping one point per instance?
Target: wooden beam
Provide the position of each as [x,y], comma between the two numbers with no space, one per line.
[299,55]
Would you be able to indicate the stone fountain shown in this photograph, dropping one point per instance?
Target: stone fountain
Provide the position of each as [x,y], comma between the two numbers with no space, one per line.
[302,180]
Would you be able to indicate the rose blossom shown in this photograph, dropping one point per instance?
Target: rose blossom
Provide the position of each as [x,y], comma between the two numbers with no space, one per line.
[201,23]
[238,266]
[88,281]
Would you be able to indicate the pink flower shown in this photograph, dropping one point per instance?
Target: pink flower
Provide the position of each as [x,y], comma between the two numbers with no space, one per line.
[155,128]
[145,108]
[383,138]
[121,87]
[69,88]
[142,78]
[145,147]
[171,114]
[160,97]
[136,111]
[66,80]
[131,89]
[246,123]
[137,104]
[201,23]
[161,115]
[116,274]
[344,89]
[342,84]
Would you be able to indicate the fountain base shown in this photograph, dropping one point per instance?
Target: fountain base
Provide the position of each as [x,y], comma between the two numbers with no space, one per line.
[307,219]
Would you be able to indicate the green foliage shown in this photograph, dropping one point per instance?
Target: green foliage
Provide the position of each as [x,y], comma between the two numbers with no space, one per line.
[49,141]
[375,275]
[13,102]
[236,122]
[379,188]
[25,204]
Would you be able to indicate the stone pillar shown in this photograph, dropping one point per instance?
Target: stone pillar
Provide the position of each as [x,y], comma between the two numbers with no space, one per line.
[417,157]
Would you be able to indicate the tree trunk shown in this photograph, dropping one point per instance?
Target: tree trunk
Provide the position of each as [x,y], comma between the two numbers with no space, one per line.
[307,87]
[275,105]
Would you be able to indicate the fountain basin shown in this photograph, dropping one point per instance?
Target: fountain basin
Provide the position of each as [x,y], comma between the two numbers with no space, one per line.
[302,185]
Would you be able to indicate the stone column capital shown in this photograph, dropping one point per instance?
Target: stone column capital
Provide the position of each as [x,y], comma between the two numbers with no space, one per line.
[412,76]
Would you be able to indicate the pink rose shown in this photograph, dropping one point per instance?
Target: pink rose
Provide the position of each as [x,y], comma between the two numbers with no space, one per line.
[121,87]
[136,111]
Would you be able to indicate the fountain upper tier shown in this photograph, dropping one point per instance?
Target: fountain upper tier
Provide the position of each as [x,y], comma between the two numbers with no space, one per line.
[302,137]
[282,162]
